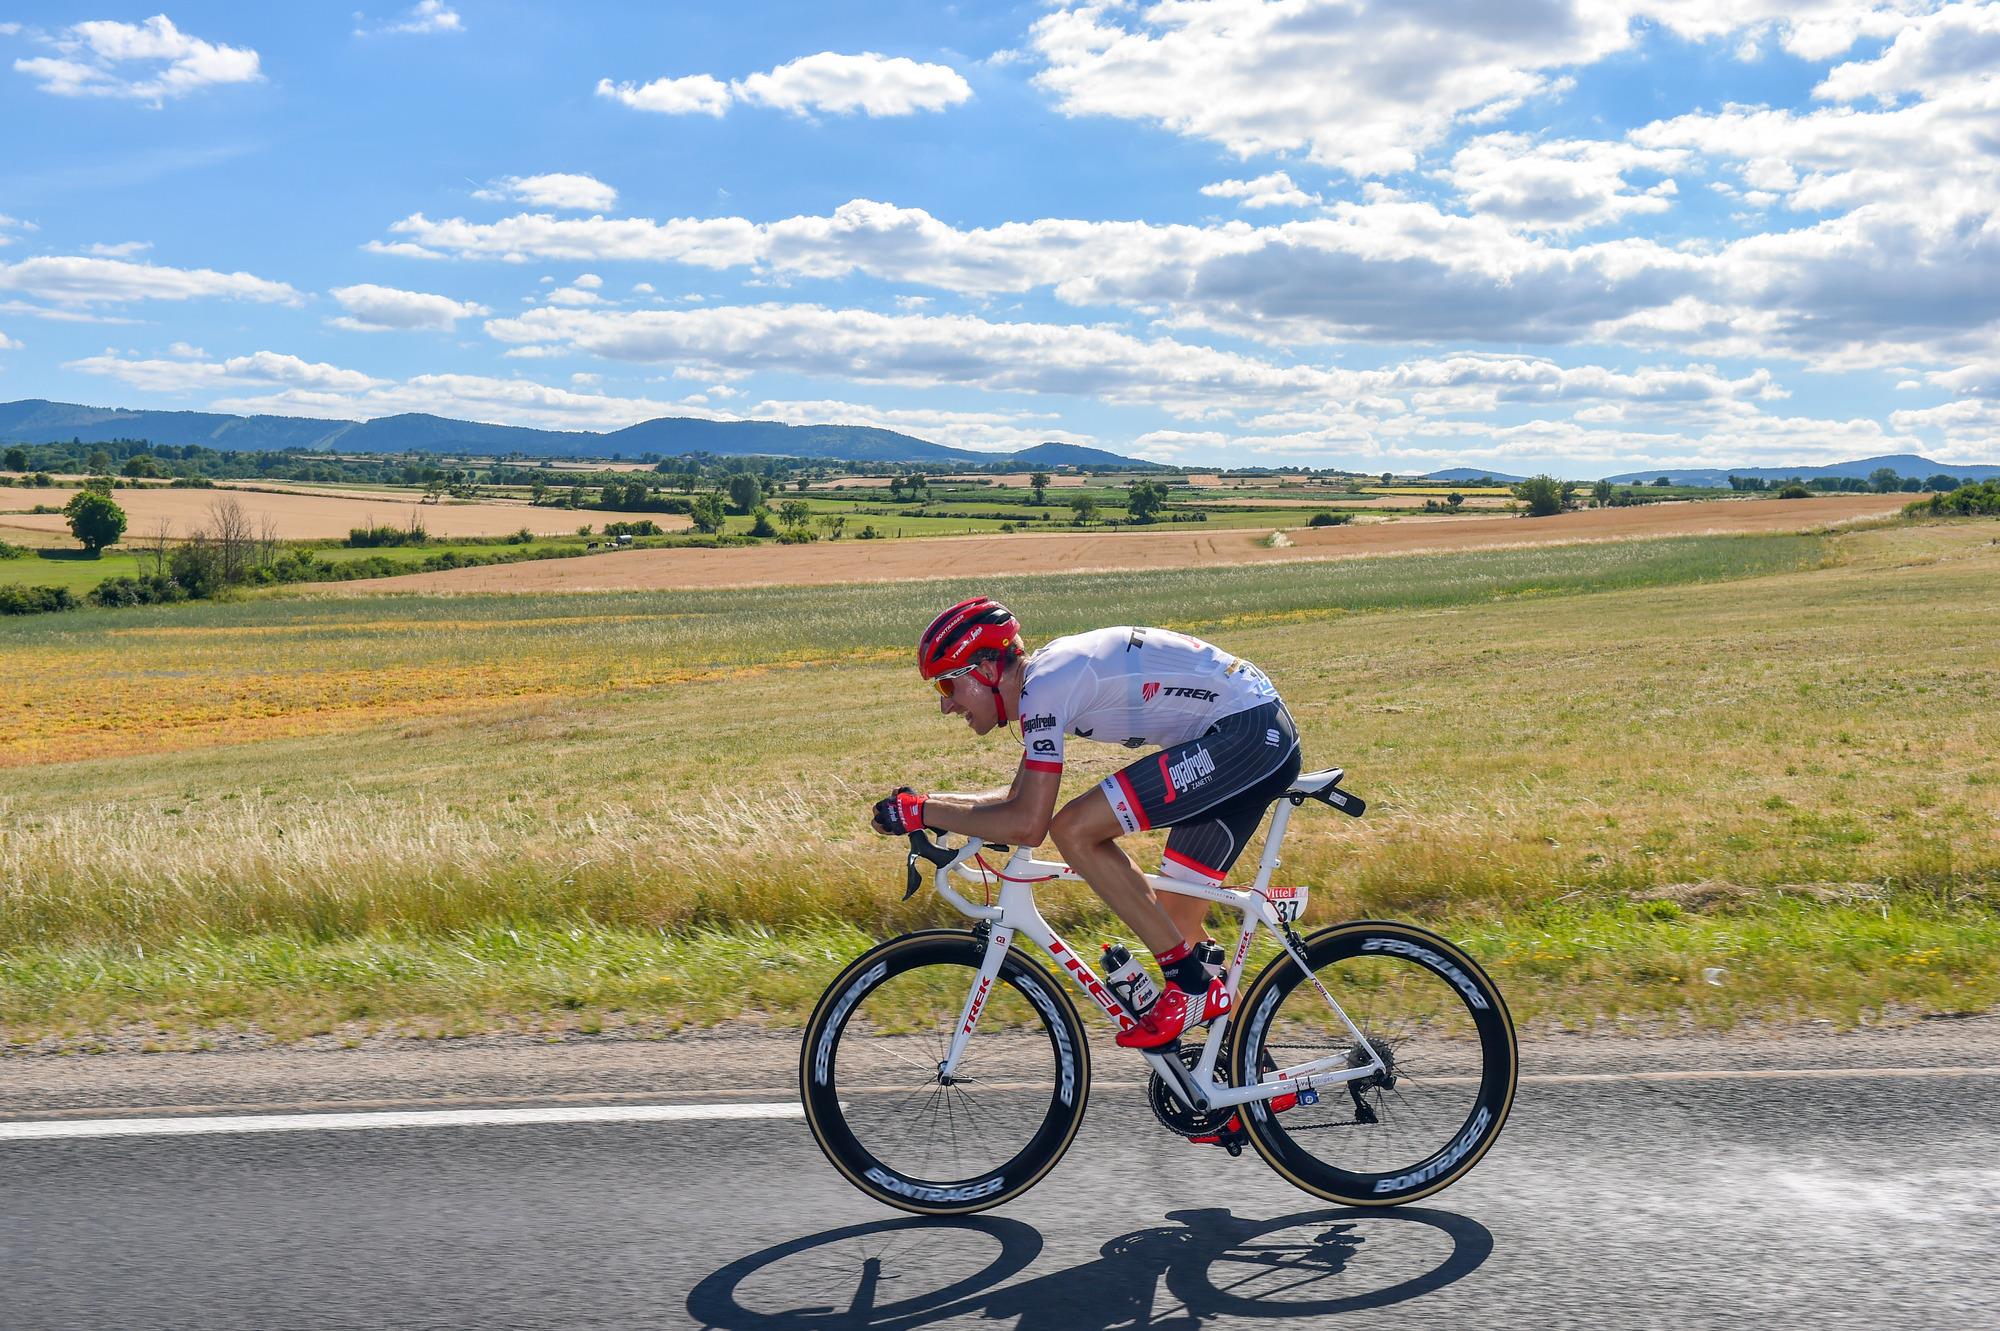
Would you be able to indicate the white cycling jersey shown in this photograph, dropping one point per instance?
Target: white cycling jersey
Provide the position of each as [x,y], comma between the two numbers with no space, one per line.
[1140,687]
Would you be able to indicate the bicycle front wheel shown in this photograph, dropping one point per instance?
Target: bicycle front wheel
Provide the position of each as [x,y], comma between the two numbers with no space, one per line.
[868,1076]
[1437,1023]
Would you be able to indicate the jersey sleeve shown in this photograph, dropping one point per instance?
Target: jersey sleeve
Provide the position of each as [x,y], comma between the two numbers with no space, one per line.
[1045,716]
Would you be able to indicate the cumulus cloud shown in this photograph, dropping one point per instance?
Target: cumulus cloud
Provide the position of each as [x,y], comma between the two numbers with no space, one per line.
[474,397]
[830,82]
[376,309]
[148,61]
[557,189]
[79,280]
[425,17]
[1275,190]
[181,373]
[8,344]
[1563,185]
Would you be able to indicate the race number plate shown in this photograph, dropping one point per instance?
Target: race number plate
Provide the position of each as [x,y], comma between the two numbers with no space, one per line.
[1289,902]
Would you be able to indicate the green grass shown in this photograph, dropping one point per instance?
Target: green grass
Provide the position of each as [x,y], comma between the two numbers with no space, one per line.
[1607,768]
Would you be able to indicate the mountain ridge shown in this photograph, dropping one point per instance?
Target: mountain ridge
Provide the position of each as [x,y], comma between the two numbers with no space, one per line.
[39,420]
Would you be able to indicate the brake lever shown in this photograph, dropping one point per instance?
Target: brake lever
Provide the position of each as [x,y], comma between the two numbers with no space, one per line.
[922,847]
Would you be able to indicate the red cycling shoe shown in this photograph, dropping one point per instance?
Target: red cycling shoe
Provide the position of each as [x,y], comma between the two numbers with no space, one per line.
[1177,1010]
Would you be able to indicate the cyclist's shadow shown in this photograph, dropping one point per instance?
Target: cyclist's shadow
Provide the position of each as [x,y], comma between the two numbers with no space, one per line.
[886,1276]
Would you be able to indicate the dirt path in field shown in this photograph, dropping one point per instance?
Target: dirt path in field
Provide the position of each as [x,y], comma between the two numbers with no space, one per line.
[888,561]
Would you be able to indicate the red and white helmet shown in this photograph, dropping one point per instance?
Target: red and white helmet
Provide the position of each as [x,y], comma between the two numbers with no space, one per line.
[946,649]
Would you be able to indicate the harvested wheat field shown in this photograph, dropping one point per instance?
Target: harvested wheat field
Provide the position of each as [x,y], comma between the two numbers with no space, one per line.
[298,516]
[895,561]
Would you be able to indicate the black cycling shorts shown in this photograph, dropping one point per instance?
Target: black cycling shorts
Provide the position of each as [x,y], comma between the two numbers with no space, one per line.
[1213,790]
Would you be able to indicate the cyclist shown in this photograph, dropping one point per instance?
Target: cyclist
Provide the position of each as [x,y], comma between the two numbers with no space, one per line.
[1227,748]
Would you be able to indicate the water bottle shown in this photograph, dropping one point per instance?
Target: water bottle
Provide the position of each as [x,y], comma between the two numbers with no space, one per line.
[1127,980]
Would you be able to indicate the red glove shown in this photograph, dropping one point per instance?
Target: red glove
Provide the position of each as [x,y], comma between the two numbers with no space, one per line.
[901,813]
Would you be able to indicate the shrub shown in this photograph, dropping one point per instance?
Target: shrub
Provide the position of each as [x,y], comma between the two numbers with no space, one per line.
[368,538]
[1981,498]
[1545,495]
[149,589]
[1795,492]
[797,536]
[868,533]
[190,483]
[18,600]
[642,527]
[521,537]
[12,551]
[1330,519]
[761,526]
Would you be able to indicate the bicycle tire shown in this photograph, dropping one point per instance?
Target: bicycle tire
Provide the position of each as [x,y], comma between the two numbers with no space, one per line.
[1462,1018]
[946,961]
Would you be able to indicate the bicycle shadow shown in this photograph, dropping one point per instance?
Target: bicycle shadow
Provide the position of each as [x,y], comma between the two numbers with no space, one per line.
[1209,1264]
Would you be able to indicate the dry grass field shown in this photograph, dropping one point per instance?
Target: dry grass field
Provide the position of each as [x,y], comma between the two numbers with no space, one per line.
[305,513]
[1187,546]
[1696,779]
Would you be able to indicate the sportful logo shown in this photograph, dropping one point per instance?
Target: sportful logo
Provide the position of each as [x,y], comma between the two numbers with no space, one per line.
[1148,689]
[1192,770]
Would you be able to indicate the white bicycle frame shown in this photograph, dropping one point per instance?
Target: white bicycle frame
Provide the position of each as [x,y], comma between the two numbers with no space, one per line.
[1198,1087]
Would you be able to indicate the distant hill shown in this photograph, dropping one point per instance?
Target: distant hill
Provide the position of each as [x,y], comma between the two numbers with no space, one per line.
[1903,464]
[1075,455]
[37,421]
[1464,474]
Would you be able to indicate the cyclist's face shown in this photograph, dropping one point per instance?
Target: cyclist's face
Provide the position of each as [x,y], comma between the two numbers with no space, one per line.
[972,700]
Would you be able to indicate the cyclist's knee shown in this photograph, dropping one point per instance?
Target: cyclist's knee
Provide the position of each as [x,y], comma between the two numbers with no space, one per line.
[1075,828]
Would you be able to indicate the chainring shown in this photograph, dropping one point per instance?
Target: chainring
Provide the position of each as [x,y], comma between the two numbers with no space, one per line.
[1179,1119]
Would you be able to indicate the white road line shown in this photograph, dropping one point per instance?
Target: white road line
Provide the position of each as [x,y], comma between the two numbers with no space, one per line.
[433,1118]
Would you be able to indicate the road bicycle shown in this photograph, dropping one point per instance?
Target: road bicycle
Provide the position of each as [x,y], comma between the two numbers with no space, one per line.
[1382,1095]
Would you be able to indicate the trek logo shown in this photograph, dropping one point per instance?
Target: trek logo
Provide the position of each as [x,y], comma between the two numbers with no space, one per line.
[1148,690]
[1030,724]
[1093,986]
[1192,770]
[1151,689]
[978,1002]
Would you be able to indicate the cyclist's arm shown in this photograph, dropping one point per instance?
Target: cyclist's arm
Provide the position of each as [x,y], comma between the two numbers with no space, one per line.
[1019,816]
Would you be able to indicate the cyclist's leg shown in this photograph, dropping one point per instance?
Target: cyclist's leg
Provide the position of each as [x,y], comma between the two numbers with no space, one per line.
[1086,831]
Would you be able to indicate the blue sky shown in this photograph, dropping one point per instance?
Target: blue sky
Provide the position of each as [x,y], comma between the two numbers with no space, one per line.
[1584,236]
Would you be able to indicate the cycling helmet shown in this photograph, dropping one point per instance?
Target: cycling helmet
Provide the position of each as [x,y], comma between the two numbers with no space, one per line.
[946,649]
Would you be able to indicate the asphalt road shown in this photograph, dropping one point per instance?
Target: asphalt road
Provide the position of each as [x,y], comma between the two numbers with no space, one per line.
[1767,1190]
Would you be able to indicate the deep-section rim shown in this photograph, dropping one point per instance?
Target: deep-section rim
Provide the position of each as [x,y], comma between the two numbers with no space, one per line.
[1259,1124]
[952,947]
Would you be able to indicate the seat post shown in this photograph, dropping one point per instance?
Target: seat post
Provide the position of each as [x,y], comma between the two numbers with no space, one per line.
[1281,818]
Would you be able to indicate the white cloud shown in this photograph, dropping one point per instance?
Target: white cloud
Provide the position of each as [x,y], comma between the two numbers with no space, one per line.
[77,280]
[122,250]
[588,281]
[1558,186]
[1275,190]
[465,397]
[12,224]
[8,344]
[1953,49]
[1363,85]
[557,189]
[697,94]
[181,374]
[425,17]
[165,61]
[375,309]
[872,84]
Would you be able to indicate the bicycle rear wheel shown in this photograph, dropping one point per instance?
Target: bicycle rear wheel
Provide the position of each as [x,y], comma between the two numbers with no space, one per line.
[1434,1018]
[868,1076]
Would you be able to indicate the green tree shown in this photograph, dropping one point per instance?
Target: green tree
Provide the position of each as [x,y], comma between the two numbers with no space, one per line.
[1146,501]
[1663,480]
[99,464]
[761,522]
[1542,494]
[1600,493]
[706,510]
[17,459]
[94,519]
[141,464]
[1883,480]
[746,492]
[1938,484]
[1038,482]
[795,512]
[1085,509]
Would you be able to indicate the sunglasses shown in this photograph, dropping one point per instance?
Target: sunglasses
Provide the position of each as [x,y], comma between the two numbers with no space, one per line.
[944,682]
